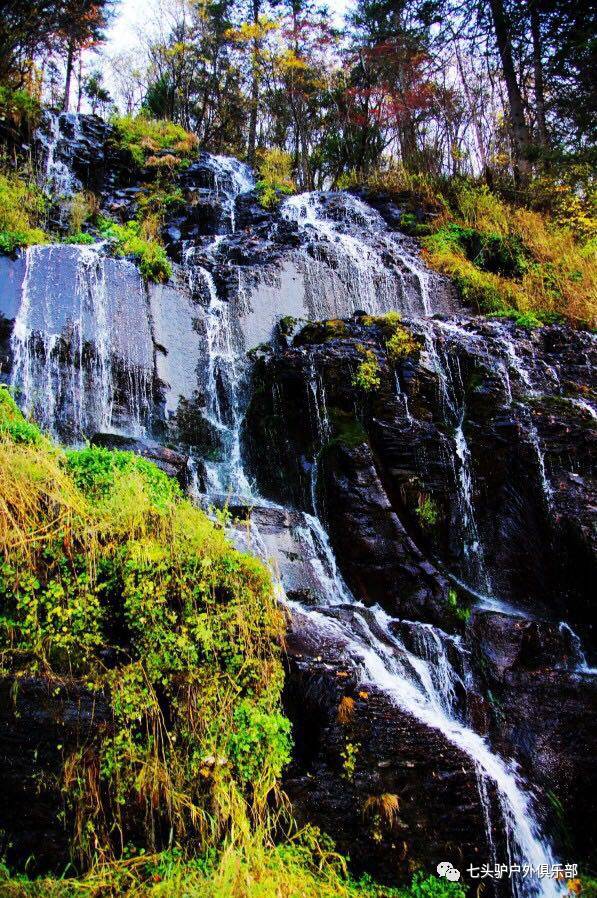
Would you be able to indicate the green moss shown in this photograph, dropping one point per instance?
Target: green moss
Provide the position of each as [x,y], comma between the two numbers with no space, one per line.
[460,612]
[323,331]
[347,429]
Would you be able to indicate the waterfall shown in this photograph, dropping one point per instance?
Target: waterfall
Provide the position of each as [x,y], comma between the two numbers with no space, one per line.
[423,681]
[224,361]
[83,361]
[57,178]
[451,393]
[352,261]
[76,369]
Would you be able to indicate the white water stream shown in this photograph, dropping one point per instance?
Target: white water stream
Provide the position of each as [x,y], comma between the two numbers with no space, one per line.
[374,275]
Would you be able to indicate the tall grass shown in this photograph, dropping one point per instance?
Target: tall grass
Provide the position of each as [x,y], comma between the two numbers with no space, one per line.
[504,258]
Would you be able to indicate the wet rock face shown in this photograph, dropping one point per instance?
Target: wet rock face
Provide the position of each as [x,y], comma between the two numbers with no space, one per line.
[541,709]
[370,460]
[478,431]
[390,791]
[40,719]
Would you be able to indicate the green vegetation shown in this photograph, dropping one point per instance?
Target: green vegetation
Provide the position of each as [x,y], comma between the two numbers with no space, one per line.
[18,107]
[399,341]
[22,208]
[128,569]
[275,177]
[80,239]
[427,511]
[367,377]
[461,613]
[533,260]
[304,867]
[154,143]
[348,430]
[198,628]
[129,241]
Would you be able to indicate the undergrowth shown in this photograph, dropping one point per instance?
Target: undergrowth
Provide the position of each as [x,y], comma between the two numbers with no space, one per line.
[129,240]
[155,143]
[103,558]
[532,259]
[22,209]
[303,867]
[275,177]
[116,589]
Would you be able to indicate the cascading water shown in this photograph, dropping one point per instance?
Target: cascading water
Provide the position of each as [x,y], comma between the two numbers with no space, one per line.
[72,362]
[350,261]
[451,391]
[353,262]
[423,681]
[224,361]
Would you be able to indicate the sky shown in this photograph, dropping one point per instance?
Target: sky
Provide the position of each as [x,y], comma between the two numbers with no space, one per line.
[134,14]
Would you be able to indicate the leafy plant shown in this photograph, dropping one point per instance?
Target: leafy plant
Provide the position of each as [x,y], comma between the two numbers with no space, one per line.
[18,107]
[427,511]
[128,241]
[461,613]
[367,376]
[275,177]
[80,239]
[349,756]
[22,208]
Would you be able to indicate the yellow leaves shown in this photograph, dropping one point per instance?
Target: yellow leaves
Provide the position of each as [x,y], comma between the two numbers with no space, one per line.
[251,31]
[291,61]
[345,710]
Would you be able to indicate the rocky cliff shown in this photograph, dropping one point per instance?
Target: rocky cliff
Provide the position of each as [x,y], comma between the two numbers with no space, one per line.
[422,486]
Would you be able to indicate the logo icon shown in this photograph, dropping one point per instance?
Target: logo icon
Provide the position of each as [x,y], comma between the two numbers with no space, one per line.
[449,872]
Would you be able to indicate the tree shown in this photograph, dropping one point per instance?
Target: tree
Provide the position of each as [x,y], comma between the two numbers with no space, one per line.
[96,91]
[81,26]
[27,27]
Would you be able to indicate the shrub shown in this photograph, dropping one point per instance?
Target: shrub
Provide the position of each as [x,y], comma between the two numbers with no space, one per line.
[19,107]
[275,177]
[128,241]
[537,260]
[80,209]
[367,376]
[126,565]
[94,470]
[144,138]
[80,239]
[427,511]
[22,208]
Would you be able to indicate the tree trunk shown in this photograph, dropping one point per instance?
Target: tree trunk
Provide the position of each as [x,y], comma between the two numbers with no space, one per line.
[473,109]
[518,126]
[538,72]
[252,141]
[80,82]
[70,57]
